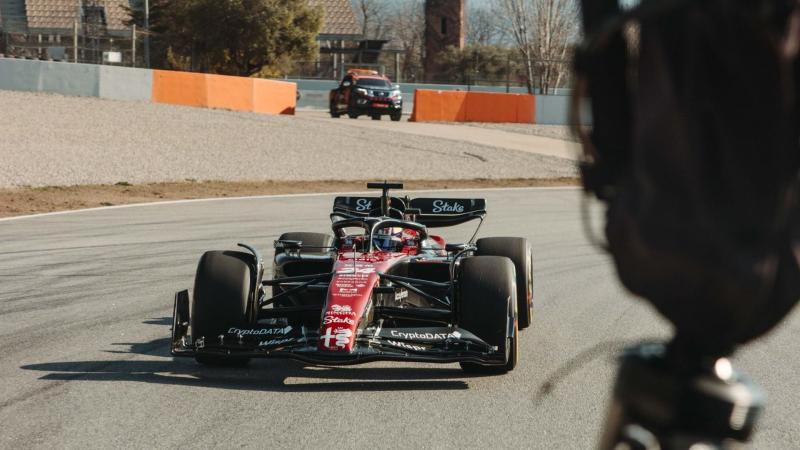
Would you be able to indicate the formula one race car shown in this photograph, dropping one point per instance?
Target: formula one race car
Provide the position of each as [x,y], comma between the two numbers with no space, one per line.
[365,92]
[379,288]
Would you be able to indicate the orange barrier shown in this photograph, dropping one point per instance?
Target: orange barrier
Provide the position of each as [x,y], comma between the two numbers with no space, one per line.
[226,92]
[439,106]
[179,88]
[274,97]
[460,106]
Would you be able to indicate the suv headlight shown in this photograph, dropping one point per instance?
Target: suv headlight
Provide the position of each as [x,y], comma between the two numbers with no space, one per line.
[361,91]
[396,95]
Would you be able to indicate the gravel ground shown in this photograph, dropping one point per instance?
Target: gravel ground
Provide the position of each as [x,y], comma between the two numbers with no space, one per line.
[562,132]
[56,140]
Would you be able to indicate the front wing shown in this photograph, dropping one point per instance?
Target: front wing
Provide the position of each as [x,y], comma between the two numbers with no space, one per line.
[277,339]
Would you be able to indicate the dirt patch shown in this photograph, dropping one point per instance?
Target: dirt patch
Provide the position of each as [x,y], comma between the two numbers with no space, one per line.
[26,200]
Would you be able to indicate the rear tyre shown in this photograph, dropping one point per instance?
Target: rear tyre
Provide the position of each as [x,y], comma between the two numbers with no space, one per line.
[518,250]
[487,308]
[221,296]
[334,114]
[396,117]
[352,115]
[376,117]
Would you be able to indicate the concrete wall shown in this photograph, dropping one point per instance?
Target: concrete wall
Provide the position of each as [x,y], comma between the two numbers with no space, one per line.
[552,109]
[158,86]
[84,80]
[123,83]
[43,76]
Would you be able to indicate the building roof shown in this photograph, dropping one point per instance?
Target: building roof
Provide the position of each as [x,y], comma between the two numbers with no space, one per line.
[339,20]
[60,14]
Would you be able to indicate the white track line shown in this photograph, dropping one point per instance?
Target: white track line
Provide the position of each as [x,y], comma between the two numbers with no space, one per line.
[261,197]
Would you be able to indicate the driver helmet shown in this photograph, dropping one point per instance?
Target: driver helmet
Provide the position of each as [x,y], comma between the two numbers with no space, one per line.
[388,239]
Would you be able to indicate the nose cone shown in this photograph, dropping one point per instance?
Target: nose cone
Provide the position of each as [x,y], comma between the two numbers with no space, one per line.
[339,324]
[348,296]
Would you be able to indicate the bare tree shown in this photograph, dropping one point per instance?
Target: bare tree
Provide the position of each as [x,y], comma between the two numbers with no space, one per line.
[484,27]
[543,31]
[373,14]
[404,25]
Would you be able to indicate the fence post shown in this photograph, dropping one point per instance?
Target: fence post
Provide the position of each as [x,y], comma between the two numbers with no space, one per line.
[508,74]
[74,41]
[133,46]
[397,68]
[147,33]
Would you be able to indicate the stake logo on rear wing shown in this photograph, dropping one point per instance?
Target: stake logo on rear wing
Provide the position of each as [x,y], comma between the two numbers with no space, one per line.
[432,212]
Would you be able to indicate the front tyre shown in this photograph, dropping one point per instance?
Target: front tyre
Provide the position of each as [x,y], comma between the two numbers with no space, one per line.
[487,308]
[396,116]
[221,296]
[376,117]
[518,250]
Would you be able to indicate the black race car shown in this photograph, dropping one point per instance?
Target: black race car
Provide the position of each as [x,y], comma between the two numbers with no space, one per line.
[365,92]
[380,287]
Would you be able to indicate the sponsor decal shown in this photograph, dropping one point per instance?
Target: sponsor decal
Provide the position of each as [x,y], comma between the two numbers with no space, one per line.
[275,342]
[363,204]
[401,294]
[416,336]
[344,290]
[260,331]
[342,309]
[329,319]
[407,346]
[339,336]
[355,270]
[440,206]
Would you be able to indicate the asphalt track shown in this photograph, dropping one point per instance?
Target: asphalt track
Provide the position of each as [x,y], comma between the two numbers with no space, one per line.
[85,305]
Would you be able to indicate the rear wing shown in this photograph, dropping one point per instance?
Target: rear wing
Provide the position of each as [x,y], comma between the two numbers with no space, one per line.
[447,212]
[365,206]
[431,212]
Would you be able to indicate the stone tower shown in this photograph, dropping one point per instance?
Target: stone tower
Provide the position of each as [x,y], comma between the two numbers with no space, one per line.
[444,26]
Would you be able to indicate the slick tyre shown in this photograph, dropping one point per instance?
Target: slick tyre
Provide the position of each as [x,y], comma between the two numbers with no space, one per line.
[221,296]
[518,250]
[487,308]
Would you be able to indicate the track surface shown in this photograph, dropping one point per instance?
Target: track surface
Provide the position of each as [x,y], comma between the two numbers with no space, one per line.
[85,301]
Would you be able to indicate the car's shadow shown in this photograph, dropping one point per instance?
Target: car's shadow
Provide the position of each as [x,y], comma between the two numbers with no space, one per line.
[278,375]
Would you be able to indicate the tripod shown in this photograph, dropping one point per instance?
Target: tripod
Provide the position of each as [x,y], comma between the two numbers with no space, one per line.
[665,398]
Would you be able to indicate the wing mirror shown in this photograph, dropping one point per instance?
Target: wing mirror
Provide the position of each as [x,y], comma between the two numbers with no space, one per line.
[286,245]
